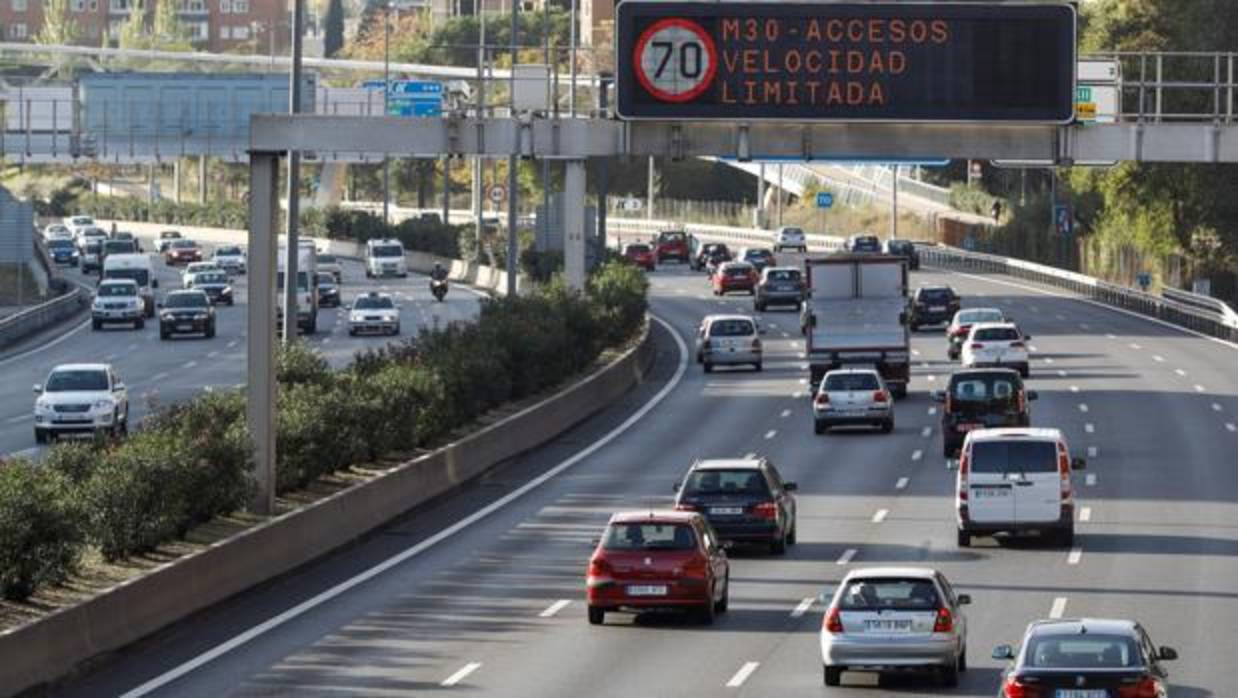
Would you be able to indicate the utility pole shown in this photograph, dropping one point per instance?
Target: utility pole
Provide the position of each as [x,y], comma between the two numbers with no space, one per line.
[478,194]
[571,97]
[781,193]
[650,193]
[387,108]
[294,179]
[894,205]
[513,240]
[760,221]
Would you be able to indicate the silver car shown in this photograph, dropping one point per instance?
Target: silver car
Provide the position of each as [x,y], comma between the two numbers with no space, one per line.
[850,397]
[895,619]
[728,340]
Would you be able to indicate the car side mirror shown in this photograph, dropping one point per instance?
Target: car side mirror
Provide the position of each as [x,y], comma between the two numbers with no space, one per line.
[939,396]
[1003,652]
[159,304]
[790,486]
[1078,464]
[38,389]
[675,487]
[964,599]
[118,387]
[1033,395]
[1027,337]
[1167,654]
[154,283]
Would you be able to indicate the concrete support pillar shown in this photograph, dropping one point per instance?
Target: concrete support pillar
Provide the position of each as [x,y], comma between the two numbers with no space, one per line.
[477,198]
[176,180]
[574,223]
[260,340]
[201,179]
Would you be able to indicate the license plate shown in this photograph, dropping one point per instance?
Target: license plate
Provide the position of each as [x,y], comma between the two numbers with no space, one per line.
[726,511]
[647,590]
[970,427]
[888,626]
[184,327]
[937,309]
[991,492]
[1081,693]
[72,420]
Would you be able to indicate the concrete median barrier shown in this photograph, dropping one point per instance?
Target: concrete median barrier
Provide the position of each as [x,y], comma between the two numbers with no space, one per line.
[51,647]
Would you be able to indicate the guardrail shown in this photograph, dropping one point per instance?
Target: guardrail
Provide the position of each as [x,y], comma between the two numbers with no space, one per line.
[31,320]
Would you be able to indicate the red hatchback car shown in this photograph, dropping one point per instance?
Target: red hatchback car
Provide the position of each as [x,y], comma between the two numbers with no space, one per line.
[735,276]
[655,560]
[639,254]
[182,252]
[672,244]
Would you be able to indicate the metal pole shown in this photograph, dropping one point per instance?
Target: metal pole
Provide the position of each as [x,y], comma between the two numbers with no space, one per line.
[781,192]
[446,189]
[386,110]
[260,345]
[894,205]
[603,168]
[574,223]
[650,193]
[478,194]
[760,222]
[513,241]
[201,179]
[571,97]
[294,190]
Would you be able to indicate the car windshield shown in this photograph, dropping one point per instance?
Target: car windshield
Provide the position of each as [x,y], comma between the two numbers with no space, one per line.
[92,247]
[326,259]
[936,295]
[122,235]
[737,271]
[60,244]
[714,248]
[118,290]
[1014,457]
[899,246]
[183,244]
[388,251]
[638,249]
[83,220]
[671,238]
[840,382]
[65,381]
[758,254]
[792,233]
[210,277]
[865,242]
[783,275]
[889,593]
[649,536]
[731,328]
[971,317]
[325,279]
[119,246]
[995,334]
[228,252]
[186,300]
[1083,652]
[985,389]
[739,481]
[141,276]
[374,303]
[169,235]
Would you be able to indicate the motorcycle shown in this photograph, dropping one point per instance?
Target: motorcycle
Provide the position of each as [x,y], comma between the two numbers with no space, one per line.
[438,287]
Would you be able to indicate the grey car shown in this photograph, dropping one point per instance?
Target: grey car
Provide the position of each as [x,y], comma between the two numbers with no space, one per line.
[852,397]
[779,286]
[728,340]
[895,619]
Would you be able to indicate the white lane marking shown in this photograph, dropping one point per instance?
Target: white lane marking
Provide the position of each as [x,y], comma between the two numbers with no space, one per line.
[109,358]
[926,432]
[1076,554]
[554,608]
[1083,407]
[232,344]
[803,381]
[917,454]
[881,515]
[785,414]
[771,434]
[1110,335]
[750,455]
[901,484]
[1090,480]
[1048,360]
[1059,316]
[1216,407]
[846,556]
[190,364]
[1085,514]
[1061,373]
[1084,326]
[19,419]
[1136,347]
[132,347]
[795,345]
[786,335]
[796,395]
[1089,428]
[1200,389]
[742,675]
[803,367]
[1074,388]
[915,352]
[802,607]
[1230,426]
[1093,451]
[932,378]
[461,675]
[363,577]
[1180,372]
[1059,607]
[213,354]
[1032,347]
[1035,309]
[159,376]
[326,340]
[932,411]
[1159,359]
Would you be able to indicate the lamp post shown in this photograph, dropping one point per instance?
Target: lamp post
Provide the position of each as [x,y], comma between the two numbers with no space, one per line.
[387,108]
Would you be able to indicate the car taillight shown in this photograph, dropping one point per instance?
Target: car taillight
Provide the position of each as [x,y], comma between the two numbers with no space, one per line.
[686,506]
[833,622]
[765,510]
[962,331]
[1146,687]
[964,469]
[696,566]
[976,345]
[881,396]
[1017,345]
[945,621]
[598,567]
[822,399]
[1063,469]
[1016,687]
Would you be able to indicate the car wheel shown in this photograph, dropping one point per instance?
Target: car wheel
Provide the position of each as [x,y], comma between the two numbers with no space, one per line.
[721,605]
[96,325]
[1025,371]
[887,426]
[759,366]
[819,427]
[778,546]
[759,307]
[753,293]
[395,332]
[210,331]
[833,675]
[709,368]
[706,612]
[163,334]
[915,327]
[952,355]
[791,534]
[1066,537]
[596,615]
[963,660]
[948,450]
[964,540]
[231,302]
[948,676]
[40,436]
[139,324]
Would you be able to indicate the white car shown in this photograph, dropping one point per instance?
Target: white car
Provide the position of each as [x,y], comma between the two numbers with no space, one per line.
[76,224]
[57,231]
[374,313]
[196,268]
[1016,481]
[960,327]
[230,258]
[118,300]
[80,399]
[789,238]
[851,397]
[385,258]
[996,344]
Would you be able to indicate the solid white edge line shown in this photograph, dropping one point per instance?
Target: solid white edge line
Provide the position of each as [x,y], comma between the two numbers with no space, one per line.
[802,607]
[554,608]
[1059,607]
[461,675]
[351,583]
[846,557]
[742,675]
[47,345]
[1076,554]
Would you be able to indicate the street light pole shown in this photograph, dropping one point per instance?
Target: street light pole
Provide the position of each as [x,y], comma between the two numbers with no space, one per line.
[386,109]
[294,190]
[513,241]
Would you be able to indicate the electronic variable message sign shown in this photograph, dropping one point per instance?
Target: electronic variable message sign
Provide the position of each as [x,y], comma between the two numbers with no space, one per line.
[882,61]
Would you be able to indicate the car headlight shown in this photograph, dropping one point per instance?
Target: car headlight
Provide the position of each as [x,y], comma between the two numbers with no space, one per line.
[199,316]
[103,404]
[41,407]
[227,291]
[166,316]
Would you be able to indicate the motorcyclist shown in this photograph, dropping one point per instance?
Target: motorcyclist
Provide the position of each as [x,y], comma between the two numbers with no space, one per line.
[438,281]
[438,273]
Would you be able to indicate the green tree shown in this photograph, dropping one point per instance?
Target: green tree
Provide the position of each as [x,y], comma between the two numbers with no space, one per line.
[58,29]
[133,31]
[333,39]
[168,25]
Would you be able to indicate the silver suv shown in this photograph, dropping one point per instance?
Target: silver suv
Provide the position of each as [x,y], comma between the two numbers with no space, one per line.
[895,619]
[850,397]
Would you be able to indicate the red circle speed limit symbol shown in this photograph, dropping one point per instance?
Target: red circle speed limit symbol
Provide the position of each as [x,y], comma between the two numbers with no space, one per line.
[675,60]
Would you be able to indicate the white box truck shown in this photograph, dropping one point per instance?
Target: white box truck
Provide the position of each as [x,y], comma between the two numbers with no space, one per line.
[307,292]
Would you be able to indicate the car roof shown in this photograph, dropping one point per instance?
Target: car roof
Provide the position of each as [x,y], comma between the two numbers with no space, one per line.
[1019,433]
[385,241]
[984,309]
[737,264]
[975,372]
[82,367]
[794,269]
[654,516]
[853,369]
[994,325]
[891,573]
[728,464]
[716,318]
[1080,626]
[934,287]
[186,291]
[118,282]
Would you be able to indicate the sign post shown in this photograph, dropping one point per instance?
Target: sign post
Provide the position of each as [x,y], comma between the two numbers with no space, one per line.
[824,200]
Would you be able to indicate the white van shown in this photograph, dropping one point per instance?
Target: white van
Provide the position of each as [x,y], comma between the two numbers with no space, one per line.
[137,267]
[1016,481]
[385,258]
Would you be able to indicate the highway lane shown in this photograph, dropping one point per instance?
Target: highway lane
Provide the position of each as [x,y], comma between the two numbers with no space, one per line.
[178,368]
[484,610]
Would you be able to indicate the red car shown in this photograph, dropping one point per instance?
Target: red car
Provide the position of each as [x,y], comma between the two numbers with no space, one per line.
[182,252]
[639,254]
[658,559]
[672,244]
[735,276]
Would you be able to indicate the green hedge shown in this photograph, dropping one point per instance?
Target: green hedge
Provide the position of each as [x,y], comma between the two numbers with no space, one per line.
[424,235]
[191,461]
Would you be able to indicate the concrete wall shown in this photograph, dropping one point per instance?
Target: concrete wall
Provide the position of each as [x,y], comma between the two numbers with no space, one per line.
[53,646]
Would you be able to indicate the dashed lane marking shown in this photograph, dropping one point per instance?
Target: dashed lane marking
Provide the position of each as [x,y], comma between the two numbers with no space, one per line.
[1159,359]
[461,675]
[1230,426]
[771,434]
[802,607]
[158,376]
[554,608]
[212,354]
[1200,389]
[19,419]
[926,432]
[1090,480]
[1074,388]
[846,557]
[1093,452]
[190,364]
[1085,514]
[1083,407]
[880,515]
[1076,554]
[785,414]
[1061,373]
[1135,346]
[1058,608]
[742,675]
[932,411]
[1216,407]
[917,454]
[1180,372]
[901,484]
[1089,428]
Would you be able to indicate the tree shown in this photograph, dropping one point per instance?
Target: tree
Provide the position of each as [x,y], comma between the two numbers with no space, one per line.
[333,39]
[59,29]
[133,31]
[168,25]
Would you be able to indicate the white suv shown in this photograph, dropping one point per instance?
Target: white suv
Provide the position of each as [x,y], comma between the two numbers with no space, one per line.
[996,344]
[117,300]
[788,238]
[385,258]
[1016,481]
[80,398]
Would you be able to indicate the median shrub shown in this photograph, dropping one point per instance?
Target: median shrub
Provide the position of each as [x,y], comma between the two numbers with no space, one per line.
[41,528]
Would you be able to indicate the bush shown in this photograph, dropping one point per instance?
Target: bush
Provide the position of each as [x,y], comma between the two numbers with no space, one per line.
[43,529]
[618,291]
[296,364]
[75,460]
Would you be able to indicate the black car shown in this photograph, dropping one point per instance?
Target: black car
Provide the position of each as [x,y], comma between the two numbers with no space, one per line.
[129,237]
[716,251]
[759,257]
[904,248]
[215,284]
[62,251]
[1088,657]
[186,312]
[744,499]
[982,398]
[933,305]
[863,244]
[328,291]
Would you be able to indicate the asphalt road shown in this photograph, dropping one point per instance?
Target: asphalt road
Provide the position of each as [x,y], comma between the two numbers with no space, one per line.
[489,599]
[178,368]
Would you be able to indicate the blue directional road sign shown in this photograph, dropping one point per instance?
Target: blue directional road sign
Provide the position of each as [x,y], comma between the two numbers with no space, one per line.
[1061,216]
[411,97]
[824,199]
